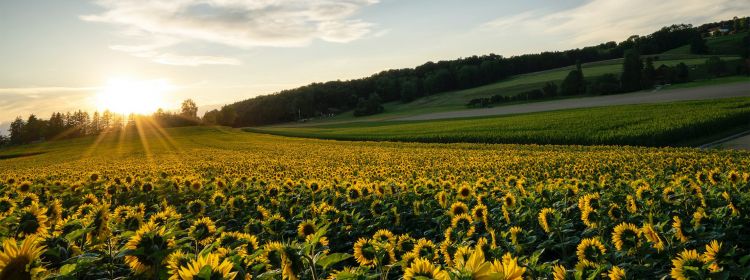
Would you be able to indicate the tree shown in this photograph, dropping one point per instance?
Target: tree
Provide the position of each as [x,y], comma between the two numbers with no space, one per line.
[549,89]
[369,106]
[698,45]
[715,66]
[409,90]
[189,110]
[468,76]
[33,130]
[682,73]
[574,83]
[630,79]
[648,75]
[16,131]
[211,117]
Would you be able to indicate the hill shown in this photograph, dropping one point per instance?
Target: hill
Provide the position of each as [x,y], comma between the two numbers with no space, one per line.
[405,85]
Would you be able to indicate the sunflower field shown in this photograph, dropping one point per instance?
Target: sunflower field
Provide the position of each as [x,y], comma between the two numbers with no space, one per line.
[213,203]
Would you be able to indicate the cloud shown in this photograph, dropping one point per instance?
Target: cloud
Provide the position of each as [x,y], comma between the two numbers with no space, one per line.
[234,23]
[598,21]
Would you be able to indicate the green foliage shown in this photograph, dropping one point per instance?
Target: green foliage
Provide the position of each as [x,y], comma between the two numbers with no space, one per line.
[630,78]
[647,124]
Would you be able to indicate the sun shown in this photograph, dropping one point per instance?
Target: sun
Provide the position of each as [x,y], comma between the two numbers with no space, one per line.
[125,96]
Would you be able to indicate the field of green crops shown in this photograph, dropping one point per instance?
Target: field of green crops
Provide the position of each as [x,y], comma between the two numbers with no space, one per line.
[648,124]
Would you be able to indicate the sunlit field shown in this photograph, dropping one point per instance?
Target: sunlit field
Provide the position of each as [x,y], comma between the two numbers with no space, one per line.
[217,202]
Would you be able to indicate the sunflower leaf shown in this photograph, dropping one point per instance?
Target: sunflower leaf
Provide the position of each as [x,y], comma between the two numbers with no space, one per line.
[332,259]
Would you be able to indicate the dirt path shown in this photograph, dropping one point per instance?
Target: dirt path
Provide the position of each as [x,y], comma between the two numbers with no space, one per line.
[699,93]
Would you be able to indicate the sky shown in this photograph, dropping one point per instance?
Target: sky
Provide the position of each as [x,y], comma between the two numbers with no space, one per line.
[64,55]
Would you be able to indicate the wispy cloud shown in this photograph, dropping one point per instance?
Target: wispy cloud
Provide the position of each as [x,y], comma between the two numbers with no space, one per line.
[233,23]
[598,21]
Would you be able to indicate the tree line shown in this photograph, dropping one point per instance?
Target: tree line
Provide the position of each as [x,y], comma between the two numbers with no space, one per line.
[405,85]
[81,123]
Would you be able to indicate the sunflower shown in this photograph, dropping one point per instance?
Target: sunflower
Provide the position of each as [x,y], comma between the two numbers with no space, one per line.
[276,255]
[54,212]
[196,269]
[479,213]
[465,191]
[236,202]
[146,248]
[218,198]
[21,262]
[714,177]
[306,228]
[632,206]
[175,261]
[733,177]
[473,267]
[24,187]
[590,250]
[509,200]
[688,265]
[668,195]
[90,199]
[653,237]
[405,243]
[196,207]
[32,221]
[99,223]
[26,199]
[364,252]
[424,269]
[559,272]
[514,231]
[458,208]
[133,220]
[425,249]
[626,236]
[7,206]
[713,251]
[202,231]
[463,223]
[677,227]
[442,199]
[353,194]
[508,269]
[614,212]
[384,236]
[589,217]
[544,218]
[164,217]
[616,273]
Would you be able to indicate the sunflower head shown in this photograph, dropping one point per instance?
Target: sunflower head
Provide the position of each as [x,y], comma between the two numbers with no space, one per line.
[688,265]
[306,228]
[196,207]
[202,231]
[209,266]
[424,269]
[32,221]
[458,208]
[626,237]
[147,248]
[21,262]
[591,250]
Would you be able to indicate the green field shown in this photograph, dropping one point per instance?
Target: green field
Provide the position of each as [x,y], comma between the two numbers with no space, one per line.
[673,124]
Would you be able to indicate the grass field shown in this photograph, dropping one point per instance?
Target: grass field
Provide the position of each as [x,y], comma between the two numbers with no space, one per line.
[680,123]
[218,203]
